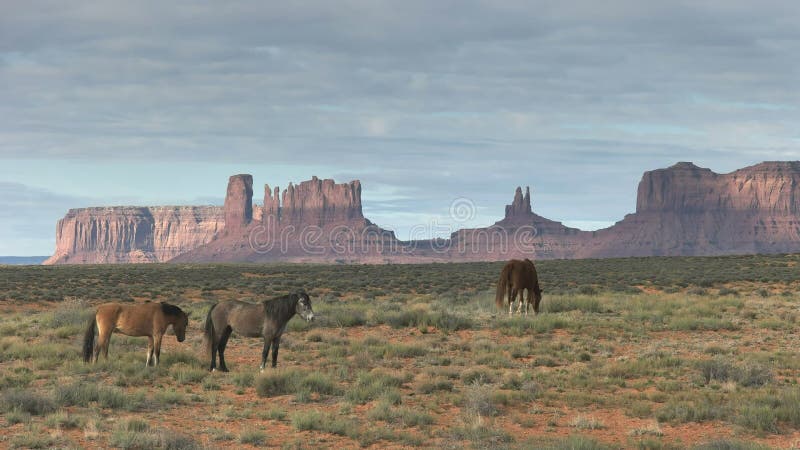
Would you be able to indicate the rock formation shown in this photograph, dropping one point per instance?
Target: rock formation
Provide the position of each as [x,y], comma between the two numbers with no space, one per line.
[126,234]
[688,210]
[321,203]
[680,210]
[521,206]
[238,204]
[520,234]
[316,220]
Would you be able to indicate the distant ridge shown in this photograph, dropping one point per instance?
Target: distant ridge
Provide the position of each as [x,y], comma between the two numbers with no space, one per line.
[22,260]
[682,210]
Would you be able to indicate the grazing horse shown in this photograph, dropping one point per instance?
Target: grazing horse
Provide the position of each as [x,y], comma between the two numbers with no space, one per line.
[147,319]
[266,319]
[516,277]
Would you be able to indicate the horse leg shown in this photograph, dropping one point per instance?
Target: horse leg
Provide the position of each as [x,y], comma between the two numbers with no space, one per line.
[512,296]
[223,341]
[528,302]
[264,354]
[521,300]
[103,338]
[214,344]
[275,344]
[157,348]
[149,350]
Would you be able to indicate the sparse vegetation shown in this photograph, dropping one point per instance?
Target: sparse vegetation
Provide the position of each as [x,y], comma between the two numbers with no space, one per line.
[416,355]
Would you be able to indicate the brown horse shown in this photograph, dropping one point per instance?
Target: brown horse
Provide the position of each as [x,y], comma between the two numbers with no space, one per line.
[267,319]
[516,277]
[147,319]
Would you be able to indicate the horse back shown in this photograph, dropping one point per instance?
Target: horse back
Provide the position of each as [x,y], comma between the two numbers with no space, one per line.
[131,320]
[246,319]
[523,274]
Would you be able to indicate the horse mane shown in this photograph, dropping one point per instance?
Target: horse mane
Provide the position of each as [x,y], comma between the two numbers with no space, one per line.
[171,310]
[280,306]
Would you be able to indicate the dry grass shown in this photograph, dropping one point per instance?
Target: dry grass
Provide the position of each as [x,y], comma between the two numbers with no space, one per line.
[420,351]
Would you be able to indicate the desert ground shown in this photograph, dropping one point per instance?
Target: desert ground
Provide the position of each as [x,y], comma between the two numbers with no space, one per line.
[652,353]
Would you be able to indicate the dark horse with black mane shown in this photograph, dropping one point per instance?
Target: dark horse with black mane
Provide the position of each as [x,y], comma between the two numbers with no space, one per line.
[147,319]
[266,319]
[515,278]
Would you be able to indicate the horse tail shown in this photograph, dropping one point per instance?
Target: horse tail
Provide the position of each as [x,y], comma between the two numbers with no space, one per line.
[208,333]
[501,287]
[88,341]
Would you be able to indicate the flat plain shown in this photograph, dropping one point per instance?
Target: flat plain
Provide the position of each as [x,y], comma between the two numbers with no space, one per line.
[626,353]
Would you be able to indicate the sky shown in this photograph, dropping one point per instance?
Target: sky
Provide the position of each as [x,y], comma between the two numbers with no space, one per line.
[429,104]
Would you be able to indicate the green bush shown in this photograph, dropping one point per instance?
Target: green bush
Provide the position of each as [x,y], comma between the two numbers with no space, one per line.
[277,382]
[371,385]
[725,444]
[26,401]
[83,393]
[329,423]
[281,382]
[253,437]
[243,379]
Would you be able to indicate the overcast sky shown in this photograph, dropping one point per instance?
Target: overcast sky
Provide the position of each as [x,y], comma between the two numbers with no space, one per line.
[121,102]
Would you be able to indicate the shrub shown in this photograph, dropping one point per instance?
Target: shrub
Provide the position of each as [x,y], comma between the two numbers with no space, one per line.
[319,383]
[26,401]
[371,385]
[329,423]
[253,437]
[725,444]
[479,400]
[716,369]
[243,379]
[571,443]
[137,434]
[563,304]
[169,397]
[428,387]
[33,439]
[63,419]
[760,418]
[133,434]
[477,375]
[16,416]
[728,291]
[753,374]
[185,374]
[587,423]
[81,394]
[276,382]
[747,375]
[404,416]
[282,382]
[683,411]
[404,351]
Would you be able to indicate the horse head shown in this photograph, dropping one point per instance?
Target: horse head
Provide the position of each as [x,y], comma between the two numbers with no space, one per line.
[303,308]
[180,326]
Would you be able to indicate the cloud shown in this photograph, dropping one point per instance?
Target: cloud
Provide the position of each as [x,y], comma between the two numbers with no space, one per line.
[28,218]
[438,100]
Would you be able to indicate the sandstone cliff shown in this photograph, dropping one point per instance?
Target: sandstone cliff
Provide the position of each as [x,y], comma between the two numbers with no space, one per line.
[680,210]
[238,204]
[315,220]
[688,210]
[770,187]
[133,234]
[521,233]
